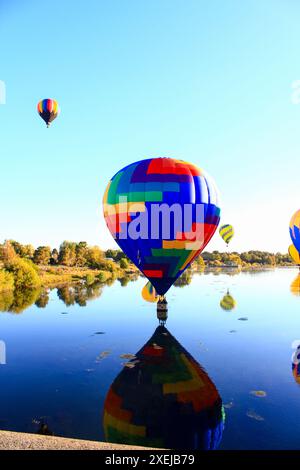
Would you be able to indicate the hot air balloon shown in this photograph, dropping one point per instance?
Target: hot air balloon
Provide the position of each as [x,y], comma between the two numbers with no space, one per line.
[226,232]
[162,213]
[295,230]
[296,365]
[294,254]
[149,293]
[228,302]
[48,110]
[164,399]
[295,286]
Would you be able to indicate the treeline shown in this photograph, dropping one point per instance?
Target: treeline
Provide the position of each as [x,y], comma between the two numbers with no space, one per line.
[23,266]
[69,254]
[247,258]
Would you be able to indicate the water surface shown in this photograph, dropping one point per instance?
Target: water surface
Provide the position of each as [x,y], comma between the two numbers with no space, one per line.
[67,360]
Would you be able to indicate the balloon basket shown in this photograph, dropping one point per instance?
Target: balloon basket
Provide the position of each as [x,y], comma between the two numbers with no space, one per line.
[162,310]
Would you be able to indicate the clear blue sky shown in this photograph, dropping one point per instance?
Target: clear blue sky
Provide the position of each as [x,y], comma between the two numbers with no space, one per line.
[207,82]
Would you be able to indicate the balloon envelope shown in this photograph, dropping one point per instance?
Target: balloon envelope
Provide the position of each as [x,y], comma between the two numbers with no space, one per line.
[294,254]
[149,293]
[164,398]
[226,232]
[295,286]
[162,213]
[48,109]
[228,302]
[295,230]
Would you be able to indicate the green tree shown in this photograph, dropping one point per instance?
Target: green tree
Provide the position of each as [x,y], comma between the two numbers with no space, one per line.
[67,254]
[42,255]
[54,257]
[123,263]
[81,253]
[25,276]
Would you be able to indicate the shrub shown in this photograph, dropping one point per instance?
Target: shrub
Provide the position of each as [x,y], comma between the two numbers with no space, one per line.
[6,281]
[123,263]
[89,279]
[25,276]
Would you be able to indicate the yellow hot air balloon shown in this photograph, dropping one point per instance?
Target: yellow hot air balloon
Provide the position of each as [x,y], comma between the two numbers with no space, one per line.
[295,286]
[149,293]
[294,254]
[228,302]
[227,232]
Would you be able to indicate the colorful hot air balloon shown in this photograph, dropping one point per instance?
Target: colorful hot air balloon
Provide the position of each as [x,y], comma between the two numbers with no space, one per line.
[228,302]
[48,110]
[226,232]
[295,230]
[295,286]
[162,213]
[296,365]
[149,293]
[164,399]
[294,254]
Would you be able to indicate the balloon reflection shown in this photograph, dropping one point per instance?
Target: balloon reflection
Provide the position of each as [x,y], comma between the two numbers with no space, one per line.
[164,398]
[228,302]
[295,286]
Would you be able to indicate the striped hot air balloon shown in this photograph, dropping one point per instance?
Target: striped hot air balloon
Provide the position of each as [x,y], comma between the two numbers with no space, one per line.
[162,213]
[228,302]
[48,109]
[295,230]
[149,293]
[226,232]
[294,254]
[295,286]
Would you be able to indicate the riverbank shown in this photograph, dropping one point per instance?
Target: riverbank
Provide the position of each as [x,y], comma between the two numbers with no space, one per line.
[23,441]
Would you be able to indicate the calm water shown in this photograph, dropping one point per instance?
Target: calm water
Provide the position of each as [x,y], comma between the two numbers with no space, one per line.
[65,373]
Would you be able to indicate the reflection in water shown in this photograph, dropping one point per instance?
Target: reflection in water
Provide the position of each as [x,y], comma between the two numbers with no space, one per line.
[18,300]
[164,398]
[79,293]
[295,286]
[228,302]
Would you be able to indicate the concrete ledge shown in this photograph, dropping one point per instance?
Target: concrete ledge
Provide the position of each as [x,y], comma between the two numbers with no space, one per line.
[23,441]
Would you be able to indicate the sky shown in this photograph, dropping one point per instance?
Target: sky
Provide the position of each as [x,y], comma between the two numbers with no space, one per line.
[206,82]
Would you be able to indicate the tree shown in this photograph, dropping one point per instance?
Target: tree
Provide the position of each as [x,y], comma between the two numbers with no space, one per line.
[81,253]
[42,255]
[25,276]
[67,254]
[24,251]
[54,257]
[7,252]
[95,258]
[123,263]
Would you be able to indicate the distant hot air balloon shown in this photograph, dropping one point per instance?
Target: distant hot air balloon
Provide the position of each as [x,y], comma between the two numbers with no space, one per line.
[295,286]
[294,254]
[295,230]
[226,232]
[164,399]
[228,302]
[162,213]
[149,293]
[296,365]
[48,110]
